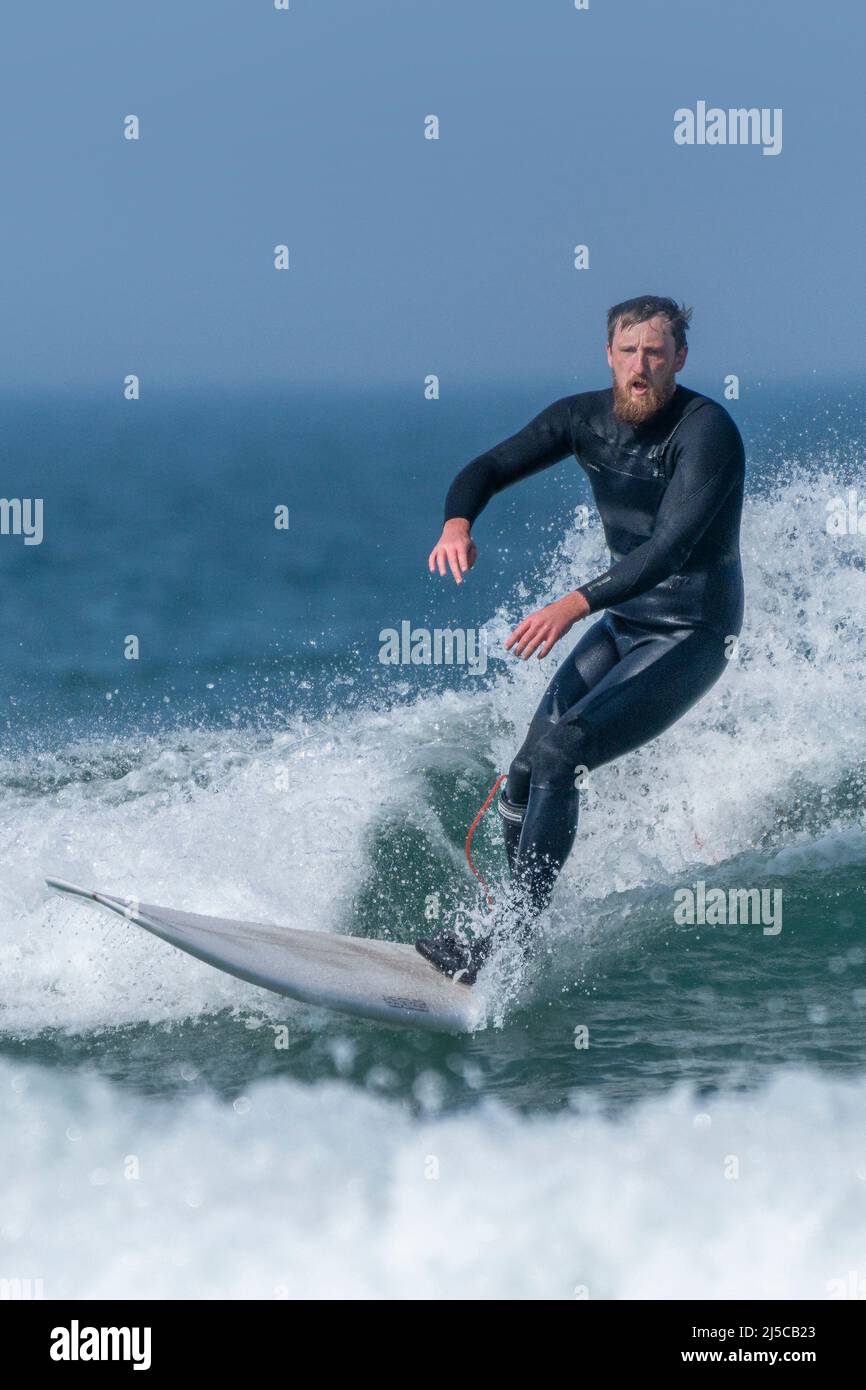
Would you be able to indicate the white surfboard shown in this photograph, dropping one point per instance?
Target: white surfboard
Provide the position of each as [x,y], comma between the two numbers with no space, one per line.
[355,975]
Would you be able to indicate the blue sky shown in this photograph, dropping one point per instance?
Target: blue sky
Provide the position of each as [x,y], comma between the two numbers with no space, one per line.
[411,256]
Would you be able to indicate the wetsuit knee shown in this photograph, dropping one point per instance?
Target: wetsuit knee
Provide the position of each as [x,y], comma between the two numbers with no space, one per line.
[558,756]
[517,785]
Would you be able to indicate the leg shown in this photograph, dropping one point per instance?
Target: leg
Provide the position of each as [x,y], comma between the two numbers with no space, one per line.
[659,676]
[592,658]
[594,655]
[654,677]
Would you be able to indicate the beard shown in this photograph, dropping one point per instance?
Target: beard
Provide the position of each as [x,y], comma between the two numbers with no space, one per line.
[634,410]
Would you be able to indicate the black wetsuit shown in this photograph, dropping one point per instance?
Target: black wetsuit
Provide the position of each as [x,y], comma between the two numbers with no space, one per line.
[670,496]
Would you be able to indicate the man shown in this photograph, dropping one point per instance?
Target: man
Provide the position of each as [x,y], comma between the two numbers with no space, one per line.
[666,468]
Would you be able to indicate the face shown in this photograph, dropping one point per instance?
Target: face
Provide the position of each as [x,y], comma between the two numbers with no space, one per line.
[644,363]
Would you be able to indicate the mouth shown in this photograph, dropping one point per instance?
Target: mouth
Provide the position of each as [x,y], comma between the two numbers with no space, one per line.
[639,388]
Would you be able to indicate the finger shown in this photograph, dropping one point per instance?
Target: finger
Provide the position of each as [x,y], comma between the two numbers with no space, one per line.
[516,634]
[455,568]
[431,561]
[532,627]
[440,560]
[535,641]
[525,640]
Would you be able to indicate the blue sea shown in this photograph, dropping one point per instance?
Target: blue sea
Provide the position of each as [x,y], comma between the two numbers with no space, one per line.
[171,1132]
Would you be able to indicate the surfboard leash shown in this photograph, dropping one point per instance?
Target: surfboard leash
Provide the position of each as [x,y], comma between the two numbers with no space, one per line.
[472,828]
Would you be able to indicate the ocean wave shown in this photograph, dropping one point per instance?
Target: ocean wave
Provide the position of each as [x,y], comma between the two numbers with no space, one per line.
[289,1191]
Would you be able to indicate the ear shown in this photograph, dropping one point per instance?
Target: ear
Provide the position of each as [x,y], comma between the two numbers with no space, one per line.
[680,359]
[610,356]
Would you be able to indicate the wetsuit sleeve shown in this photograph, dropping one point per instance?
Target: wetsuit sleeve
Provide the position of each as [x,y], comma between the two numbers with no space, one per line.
[710,464]
[544,441]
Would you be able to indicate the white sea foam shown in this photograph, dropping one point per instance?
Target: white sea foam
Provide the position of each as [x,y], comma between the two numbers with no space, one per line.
[328,1192]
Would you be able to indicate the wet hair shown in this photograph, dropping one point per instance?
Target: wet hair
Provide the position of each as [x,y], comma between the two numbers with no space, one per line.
[647,306]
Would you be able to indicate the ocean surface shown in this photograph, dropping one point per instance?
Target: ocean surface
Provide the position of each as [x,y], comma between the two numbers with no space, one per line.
[168,1131]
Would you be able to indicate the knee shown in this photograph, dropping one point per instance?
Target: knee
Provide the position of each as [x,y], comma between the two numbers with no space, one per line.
[559,755]
[517,783]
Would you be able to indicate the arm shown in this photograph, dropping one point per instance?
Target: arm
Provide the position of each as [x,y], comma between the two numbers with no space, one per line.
[544,441]
[709,466]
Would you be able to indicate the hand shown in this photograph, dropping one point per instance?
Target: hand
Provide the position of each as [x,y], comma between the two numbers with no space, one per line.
[456,548]
[547,626]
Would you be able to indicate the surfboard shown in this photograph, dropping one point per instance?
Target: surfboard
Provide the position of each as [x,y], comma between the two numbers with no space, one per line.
[381,980]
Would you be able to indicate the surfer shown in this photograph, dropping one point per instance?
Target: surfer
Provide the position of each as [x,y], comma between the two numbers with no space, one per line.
[666,467]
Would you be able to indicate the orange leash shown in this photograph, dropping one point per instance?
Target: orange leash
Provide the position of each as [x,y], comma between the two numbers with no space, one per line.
[472,829]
